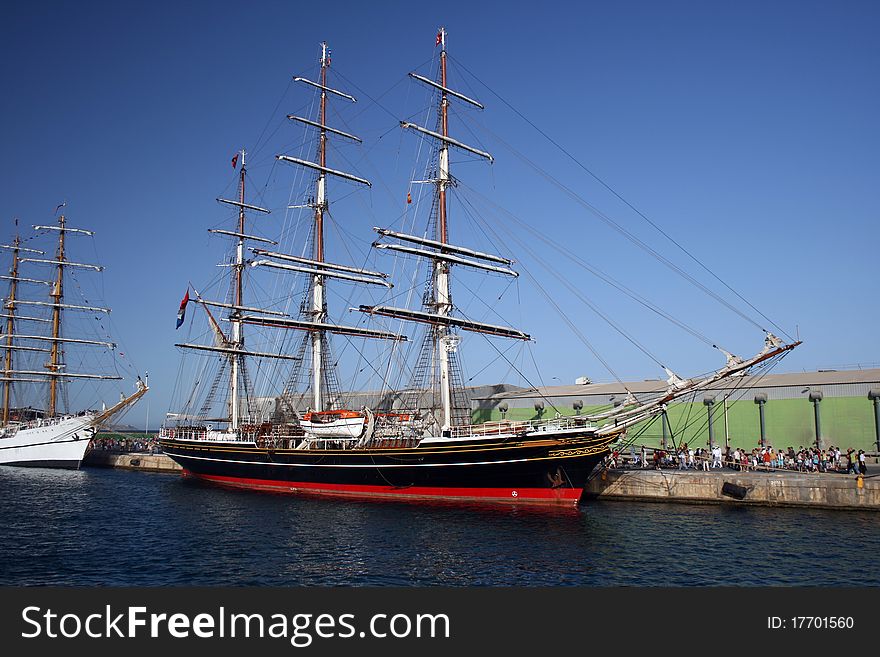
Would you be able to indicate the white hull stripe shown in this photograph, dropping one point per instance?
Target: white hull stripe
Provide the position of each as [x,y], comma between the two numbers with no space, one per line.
[48,442]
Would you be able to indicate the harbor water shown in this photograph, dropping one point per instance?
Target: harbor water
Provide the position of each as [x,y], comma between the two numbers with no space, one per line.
[103,527]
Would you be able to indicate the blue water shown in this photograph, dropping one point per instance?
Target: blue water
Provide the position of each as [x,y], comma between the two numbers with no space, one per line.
[117,528]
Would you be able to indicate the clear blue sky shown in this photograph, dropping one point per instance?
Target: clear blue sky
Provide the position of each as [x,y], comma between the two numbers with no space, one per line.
[748,131]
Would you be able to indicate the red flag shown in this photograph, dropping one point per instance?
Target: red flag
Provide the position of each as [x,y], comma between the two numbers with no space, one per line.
[235,161]
[439,38]
[408,197]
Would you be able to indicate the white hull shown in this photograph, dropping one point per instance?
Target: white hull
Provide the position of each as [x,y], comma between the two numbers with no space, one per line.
[54,444]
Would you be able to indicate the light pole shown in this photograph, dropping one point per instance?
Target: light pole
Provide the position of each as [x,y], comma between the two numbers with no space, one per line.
[760,400]
[874,396]
[816,397]
[147,421]
[709,401]
[663,441]
[726,426]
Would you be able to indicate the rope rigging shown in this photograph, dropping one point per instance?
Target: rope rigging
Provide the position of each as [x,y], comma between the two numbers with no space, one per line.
[632,207]
[434,293]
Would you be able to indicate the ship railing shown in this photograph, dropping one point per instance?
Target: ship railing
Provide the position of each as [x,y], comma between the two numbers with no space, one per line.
[43,422]
[11,429]
[392,442]
[517,427]
[333,442]
[276,435]
[196,433]
[287,431]
[252,419]
[184,433]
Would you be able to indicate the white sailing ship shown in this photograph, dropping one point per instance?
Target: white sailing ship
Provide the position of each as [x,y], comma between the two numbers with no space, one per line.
[49,435]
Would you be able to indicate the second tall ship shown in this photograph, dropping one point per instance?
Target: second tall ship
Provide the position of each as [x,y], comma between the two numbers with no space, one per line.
[416,449]
[47,432]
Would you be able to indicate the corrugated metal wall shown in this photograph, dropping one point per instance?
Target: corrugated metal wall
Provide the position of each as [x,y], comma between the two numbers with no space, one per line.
[846,415]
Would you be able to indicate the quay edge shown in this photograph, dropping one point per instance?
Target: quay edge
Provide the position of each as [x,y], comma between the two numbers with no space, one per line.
[130,461]
[793,489]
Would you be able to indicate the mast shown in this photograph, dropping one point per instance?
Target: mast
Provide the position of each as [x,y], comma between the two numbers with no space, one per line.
[237,338]
[318,268]
[54,370]
[10,326]
[441,343]
[57,295]
[234,347]
[442,300]
[318,313]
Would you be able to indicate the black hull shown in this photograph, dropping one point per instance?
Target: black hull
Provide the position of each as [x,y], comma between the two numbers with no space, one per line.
[542,471]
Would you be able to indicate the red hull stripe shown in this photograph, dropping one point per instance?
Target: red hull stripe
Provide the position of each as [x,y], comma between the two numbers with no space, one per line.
[510,495]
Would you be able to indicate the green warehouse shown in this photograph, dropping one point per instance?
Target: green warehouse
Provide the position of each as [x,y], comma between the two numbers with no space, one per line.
[844,404]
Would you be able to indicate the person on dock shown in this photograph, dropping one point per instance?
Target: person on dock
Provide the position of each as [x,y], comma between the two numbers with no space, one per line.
[863,463]
[851,463]
[716,456]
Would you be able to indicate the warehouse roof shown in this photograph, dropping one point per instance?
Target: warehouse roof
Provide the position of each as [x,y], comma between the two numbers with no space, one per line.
[822,377]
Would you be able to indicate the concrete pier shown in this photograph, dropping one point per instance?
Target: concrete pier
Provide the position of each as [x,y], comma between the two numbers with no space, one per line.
[817,490]
[130,461]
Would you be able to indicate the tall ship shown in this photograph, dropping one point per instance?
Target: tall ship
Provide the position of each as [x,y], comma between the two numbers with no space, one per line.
[39,426]
[425,444]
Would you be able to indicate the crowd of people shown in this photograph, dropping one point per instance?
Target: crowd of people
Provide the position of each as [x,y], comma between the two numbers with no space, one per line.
[766,458]
[121,443]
